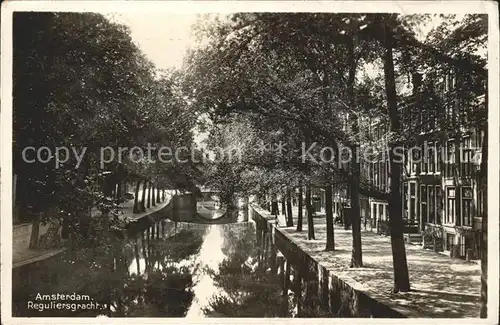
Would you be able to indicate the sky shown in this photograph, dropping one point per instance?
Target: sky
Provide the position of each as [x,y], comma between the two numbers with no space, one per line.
[164,38]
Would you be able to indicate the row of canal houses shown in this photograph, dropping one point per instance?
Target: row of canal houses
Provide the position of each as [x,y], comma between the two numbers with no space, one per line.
[442,195]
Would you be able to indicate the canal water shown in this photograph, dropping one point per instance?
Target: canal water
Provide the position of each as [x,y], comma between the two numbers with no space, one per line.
[170,269]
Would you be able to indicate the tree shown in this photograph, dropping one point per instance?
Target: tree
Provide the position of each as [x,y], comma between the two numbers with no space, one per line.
[300,207]
[136,196]
[143,199]
[401,278]
[289,216]
[310,214]
[398,36]
[330,239]
[93,91]
[63,96]
[315,87]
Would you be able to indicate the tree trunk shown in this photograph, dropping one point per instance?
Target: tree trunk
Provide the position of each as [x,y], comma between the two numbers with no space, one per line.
[136,197]
[484,222]
[149,185]
[330,242]
[144,251]
[144,190]
[297,285]
[484,266]
[137,258]
[309,208]
[119,192]
[300,210]
[35,232]
[289,216]
[153,196]
[286,286]
[283,206]
[158,195]
[355,213]
[401,278]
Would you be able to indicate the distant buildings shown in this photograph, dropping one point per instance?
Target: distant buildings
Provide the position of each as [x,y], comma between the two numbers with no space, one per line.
[442,195]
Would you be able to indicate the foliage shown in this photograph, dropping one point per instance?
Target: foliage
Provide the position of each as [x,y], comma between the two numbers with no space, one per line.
[328,78]
[81,83]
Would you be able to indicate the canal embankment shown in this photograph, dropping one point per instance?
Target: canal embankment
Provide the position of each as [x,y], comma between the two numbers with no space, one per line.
[24,253]
[441,287]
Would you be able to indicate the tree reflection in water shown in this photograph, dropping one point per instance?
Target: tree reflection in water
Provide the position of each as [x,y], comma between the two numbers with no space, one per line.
[149,276]
[160,271]
[165,287]
[256,281]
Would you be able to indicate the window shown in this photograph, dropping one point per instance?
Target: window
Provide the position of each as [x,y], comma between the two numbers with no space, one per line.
[450,159]
[382,174]
[423,204]
[438,159]
[424,163]
[405,201]
[479,142]
[370,172]
[381,211]
[412,202]
[414,161]
[450,205]
[431,202]
[480,201]
[450,81]
[467,206]
[387,172]
[431,156]
[439,205]
[474,139]
[465,157]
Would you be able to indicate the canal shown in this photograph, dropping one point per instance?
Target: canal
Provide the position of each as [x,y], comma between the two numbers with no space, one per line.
[171,269]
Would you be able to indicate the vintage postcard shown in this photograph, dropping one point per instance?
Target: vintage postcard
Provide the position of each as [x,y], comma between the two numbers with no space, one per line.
[249,162]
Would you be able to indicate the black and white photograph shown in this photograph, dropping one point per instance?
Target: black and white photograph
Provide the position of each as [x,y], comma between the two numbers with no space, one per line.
[192,161]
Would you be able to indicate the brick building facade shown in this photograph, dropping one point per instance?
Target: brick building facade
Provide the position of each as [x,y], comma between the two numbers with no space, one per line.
[442,196]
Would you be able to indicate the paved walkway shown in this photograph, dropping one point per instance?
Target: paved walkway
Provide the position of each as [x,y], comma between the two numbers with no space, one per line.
[22,256]
[441,286]
[127,208]
[28,256]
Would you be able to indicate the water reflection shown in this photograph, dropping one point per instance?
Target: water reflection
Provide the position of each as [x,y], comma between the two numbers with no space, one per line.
[150,275]
[210,255]
[177,270]
[257,281]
